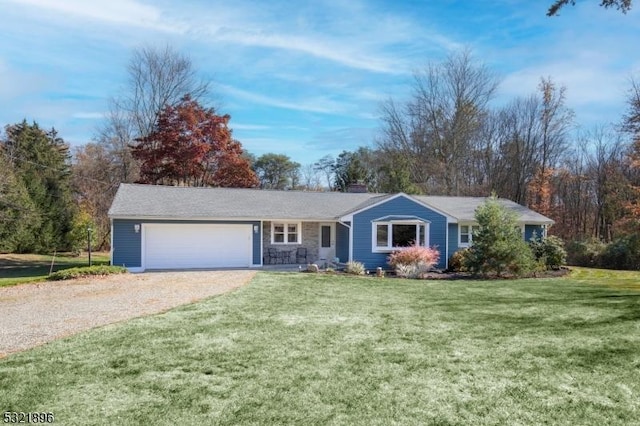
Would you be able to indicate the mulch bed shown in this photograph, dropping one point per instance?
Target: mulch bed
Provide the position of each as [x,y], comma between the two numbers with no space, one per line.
[467,276]
[444,275]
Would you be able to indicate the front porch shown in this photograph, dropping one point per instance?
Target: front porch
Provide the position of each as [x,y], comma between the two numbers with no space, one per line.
[299,243]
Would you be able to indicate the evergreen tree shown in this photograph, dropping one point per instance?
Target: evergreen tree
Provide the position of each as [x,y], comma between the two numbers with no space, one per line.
[498,245]
[41,162]
[348,169]
[18,217]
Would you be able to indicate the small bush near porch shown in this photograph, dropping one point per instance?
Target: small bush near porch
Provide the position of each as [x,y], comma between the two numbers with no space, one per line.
[320,349]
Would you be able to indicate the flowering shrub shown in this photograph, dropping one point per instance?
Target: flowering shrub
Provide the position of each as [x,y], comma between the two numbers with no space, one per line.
[413,261]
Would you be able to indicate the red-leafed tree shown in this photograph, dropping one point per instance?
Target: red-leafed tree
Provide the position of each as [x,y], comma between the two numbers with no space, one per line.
[192,146]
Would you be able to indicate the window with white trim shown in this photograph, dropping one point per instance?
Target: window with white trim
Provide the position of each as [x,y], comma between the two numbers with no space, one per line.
[465,234]
[285,233]
[389,236]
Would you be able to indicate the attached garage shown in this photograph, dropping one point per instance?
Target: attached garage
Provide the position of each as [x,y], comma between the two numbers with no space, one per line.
[192,246]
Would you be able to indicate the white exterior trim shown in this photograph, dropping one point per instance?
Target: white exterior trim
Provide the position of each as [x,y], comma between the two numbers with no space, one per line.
[142,246]
[332,241]
[450,219]
[446,246]
[286,233]
[389,248]
[470,225]
[350,228]
[223,218]
[261,245]
[111,248]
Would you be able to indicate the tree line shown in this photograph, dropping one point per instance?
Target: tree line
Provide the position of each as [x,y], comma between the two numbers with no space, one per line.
[448,137]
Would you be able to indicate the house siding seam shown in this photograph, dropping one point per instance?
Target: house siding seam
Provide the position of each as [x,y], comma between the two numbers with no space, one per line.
[127,244]
[400,206]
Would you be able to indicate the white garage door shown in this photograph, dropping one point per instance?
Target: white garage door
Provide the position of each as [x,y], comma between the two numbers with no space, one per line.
[183,246]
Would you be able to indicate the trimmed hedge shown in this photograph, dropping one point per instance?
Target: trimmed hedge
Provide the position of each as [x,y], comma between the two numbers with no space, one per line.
[86,271]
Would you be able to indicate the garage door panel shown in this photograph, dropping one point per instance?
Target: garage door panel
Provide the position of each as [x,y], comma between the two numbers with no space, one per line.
[177,246]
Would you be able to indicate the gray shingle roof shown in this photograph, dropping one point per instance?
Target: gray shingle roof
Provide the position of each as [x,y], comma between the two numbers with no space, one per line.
[155,201]
[179,202]
[463,208]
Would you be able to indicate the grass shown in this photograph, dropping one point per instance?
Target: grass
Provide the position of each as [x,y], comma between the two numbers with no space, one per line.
[319,349]
[629,280]
[27,268]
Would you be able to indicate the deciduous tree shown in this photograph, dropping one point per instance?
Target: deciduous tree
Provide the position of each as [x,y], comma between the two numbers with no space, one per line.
[622,5]
[437,127]
[95,183]
[192,146]
[276,171]
[325,166]
[158,77]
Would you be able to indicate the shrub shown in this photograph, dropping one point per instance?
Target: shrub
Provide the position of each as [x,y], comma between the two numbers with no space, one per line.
[354,268]
[498,245]
[622,253]
[456,261]
[585,252]
[86,271]
[549,251]
[413,261]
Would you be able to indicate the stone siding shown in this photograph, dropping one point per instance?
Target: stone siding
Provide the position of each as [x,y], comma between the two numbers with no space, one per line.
[310,239]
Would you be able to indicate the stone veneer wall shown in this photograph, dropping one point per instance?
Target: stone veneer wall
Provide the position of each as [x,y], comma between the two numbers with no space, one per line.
[310,240]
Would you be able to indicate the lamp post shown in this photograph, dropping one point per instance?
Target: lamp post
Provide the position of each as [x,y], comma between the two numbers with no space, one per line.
[89,243]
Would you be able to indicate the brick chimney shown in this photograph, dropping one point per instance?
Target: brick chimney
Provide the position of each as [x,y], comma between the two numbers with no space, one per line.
[358,187]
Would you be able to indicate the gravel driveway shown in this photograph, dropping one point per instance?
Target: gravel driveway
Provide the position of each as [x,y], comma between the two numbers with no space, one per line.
[33,314]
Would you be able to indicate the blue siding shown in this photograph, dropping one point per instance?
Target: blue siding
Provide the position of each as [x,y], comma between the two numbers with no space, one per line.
[530,229]
[453,238]
[127,245]
[400,206]
[342,242]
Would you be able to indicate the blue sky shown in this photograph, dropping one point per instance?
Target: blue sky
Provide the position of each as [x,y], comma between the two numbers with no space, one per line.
[306,78]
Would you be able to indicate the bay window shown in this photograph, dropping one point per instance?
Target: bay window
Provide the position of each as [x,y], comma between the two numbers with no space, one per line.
[392,235]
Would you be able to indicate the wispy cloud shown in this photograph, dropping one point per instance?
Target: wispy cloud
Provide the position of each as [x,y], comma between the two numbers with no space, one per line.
[317,104]
[315,47]
[237,126]
[119,12]
[88,115]
[349,138]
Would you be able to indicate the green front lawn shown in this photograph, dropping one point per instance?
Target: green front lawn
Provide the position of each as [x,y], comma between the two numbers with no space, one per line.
[26,268]
[320,349]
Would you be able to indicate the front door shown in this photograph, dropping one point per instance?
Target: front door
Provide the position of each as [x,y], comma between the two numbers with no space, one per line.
[327,250]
